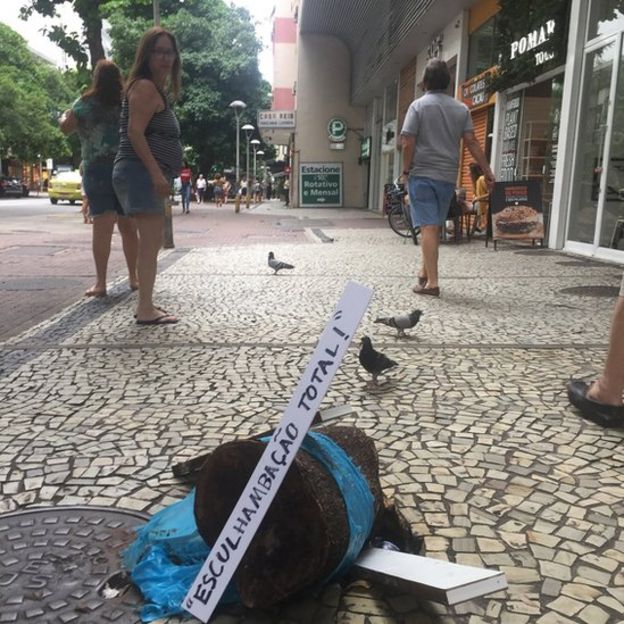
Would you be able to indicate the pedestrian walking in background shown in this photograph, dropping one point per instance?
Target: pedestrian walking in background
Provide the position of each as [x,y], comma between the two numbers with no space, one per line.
[200,187]
[286,188]
[434,126]
[257,191]
[95,117]
[149,156]
[227,187]
[217,188]
[481,197]
[186,177]
[601,401]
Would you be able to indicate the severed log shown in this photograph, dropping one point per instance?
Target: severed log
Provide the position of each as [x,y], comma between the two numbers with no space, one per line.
[305,533]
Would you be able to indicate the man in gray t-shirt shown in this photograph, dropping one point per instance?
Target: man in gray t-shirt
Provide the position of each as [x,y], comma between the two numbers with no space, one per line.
[433,129]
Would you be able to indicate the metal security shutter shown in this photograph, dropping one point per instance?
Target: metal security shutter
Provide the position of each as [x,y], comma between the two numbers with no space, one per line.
[479,120]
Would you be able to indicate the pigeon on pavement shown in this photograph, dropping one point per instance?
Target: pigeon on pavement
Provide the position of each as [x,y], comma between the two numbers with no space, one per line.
[373,361]
[277,265]
[401,322]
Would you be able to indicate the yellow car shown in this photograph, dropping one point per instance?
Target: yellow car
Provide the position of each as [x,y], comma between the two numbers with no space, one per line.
[65,185]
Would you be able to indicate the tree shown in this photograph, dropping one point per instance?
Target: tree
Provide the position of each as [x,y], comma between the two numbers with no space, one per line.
[72,43]
[32,93]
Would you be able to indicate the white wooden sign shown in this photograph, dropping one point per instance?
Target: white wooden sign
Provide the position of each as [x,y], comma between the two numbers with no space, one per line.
[278,455]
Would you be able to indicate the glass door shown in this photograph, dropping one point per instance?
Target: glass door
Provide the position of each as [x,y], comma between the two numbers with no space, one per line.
[593,131]
[596,218]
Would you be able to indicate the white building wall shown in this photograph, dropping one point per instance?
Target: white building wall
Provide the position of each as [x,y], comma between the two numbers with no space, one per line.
[323,92]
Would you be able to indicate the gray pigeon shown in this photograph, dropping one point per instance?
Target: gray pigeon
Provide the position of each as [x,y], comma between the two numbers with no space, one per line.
[277,265]
[401,322]
[374,361]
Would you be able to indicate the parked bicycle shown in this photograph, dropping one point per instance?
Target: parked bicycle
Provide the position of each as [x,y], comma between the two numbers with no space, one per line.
[399,214]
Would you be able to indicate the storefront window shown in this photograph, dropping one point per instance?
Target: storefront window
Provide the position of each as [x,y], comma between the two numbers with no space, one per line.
[481,48]
[612,222]
[591,143]
[605,17]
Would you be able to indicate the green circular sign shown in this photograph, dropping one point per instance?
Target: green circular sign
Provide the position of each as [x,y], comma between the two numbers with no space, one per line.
[337,129]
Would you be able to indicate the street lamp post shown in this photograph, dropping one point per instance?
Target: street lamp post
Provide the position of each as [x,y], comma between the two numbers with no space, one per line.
[237,106]
[254,144]
[156,8]
[260,153]
[248,129]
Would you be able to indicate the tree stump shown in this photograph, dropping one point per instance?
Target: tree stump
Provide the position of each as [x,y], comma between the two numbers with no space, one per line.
[305,532]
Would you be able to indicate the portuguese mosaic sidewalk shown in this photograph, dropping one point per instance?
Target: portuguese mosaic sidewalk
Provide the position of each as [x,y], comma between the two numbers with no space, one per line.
[477,444]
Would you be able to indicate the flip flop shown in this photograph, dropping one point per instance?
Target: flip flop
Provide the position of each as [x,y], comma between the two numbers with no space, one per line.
[165,319]
[92,292]
[160,310]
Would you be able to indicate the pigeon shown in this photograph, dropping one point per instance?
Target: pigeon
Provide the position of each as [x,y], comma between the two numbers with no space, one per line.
[401,322]
[277,265]
[373,361]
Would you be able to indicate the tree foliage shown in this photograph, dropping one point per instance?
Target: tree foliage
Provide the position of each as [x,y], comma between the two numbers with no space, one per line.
[72,43]
[32,93]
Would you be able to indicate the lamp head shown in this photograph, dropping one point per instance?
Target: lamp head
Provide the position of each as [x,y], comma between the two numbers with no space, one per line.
[238,106]
[254,142]
[260,153]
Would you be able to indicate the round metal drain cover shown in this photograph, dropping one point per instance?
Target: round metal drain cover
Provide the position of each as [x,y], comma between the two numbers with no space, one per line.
[56,562]
[592,291]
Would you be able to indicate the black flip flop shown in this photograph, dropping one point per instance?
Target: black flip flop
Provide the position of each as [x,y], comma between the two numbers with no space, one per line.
[165,319]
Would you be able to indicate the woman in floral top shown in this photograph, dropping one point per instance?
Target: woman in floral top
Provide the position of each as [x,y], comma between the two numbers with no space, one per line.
[95,117]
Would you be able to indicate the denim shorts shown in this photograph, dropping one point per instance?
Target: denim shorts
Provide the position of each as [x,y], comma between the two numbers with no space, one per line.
[97,182]
[429,200]
[135,189]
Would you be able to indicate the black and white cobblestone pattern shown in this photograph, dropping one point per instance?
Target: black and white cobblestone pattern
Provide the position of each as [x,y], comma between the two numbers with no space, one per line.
[477,443]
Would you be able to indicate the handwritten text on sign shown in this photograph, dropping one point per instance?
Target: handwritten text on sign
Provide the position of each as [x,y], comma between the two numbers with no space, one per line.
[279,453]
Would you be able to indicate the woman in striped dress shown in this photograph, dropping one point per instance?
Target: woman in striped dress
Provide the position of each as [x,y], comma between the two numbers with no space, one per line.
[149,156]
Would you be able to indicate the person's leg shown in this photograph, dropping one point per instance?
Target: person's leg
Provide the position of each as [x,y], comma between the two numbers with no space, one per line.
[130,242]
[609,387]
[150,228]
[430,243]
[188,198]
[101,244]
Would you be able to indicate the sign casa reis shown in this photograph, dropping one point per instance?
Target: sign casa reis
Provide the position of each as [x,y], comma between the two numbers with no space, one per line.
[276,119]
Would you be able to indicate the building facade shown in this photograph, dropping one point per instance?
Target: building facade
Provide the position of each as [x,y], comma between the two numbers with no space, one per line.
[545,87]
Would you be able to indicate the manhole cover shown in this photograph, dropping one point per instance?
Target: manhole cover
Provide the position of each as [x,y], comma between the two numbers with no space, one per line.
[55,562]
[592,291]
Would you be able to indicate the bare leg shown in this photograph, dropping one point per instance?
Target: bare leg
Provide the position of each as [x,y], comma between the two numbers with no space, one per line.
[102,233]
[130,243]
[609,387]
[150,240]
[429,245]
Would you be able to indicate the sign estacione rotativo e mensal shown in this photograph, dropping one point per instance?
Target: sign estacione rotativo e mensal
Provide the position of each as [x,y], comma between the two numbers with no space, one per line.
[320,184]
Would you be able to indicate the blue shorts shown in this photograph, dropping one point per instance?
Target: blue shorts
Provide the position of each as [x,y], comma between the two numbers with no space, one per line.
[135,189]
[97,182]
[429,200]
